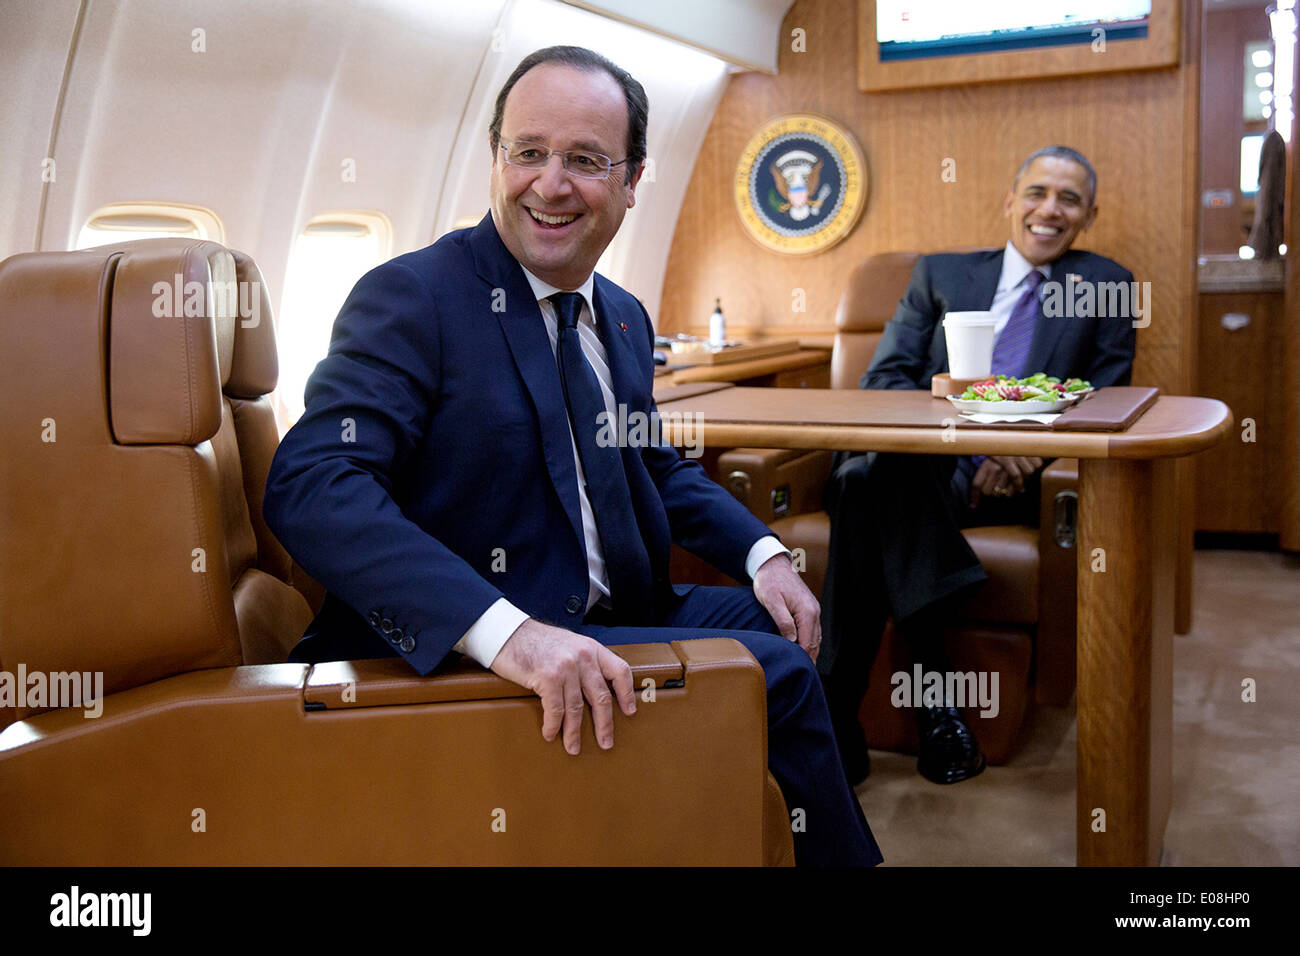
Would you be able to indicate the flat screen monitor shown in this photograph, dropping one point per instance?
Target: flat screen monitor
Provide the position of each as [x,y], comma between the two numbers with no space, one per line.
[910,29]
[917,43]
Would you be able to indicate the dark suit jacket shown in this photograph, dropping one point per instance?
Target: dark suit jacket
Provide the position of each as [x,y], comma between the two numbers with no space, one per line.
[435,443]
[913,348]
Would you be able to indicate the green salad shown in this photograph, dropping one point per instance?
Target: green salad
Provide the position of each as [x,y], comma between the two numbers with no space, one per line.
[1035,388]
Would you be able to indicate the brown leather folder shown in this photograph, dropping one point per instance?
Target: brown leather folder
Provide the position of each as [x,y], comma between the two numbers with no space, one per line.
[1110,409]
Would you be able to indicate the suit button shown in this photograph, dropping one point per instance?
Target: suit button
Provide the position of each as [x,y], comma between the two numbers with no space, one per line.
[574,604]
[386,625]
[407,645]
[374,618]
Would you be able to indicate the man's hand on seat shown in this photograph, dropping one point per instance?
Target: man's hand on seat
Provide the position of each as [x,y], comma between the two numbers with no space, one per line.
[563,668]
[1001,476]
[796,612]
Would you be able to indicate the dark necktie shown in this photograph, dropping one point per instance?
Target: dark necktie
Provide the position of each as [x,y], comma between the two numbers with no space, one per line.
[1011,351]
[626,562]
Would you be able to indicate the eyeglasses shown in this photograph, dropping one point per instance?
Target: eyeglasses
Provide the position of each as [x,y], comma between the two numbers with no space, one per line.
[578,162]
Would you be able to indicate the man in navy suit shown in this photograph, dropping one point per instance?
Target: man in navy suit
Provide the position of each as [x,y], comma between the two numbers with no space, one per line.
[896,544]
[449,486]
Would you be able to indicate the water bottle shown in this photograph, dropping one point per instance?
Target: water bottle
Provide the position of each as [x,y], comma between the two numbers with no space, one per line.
[717,325]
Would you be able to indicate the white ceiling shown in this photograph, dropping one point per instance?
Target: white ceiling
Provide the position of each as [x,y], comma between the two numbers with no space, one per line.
[257,124]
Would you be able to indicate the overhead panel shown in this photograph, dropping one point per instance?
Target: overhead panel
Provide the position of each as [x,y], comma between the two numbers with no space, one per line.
[745,33]
[34,49]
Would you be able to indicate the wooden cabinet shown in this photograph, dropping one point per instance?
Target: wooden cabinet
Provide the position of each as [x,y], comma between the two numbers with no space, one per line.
[1240,362]
[813,376]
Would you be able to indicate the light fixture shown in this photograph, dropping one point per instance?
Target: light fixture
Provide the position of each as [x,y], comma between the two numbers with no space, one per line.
[1261,58]
[1264,79]
[1282,24]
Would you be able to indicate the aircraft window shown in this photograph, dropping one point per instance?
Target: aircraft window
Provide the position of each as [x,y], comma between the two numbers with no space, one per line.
[334,250]
[123,222]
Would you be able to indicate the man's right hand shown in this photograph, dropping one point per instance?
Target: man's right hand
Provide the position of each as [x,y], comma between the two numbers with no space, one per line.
[563,668]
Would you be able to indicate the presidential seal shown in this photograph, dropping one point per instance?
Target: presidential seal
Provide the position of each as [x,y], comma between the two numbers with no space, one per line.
[801,184]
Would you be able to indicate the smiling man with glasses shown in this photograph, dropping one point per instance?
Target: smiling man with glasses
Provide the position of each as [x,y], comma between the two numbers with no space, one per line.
[578,162]
[447,486]
[559,200]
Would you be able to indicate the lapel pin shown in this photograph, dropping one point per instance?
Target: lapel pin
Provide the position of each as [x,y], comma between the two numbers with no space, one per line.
[1073,277]
[623,326]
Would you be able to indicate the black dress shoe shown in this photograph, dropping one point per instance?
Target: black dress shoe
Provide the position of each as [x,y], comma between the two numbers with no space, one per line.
[949,752]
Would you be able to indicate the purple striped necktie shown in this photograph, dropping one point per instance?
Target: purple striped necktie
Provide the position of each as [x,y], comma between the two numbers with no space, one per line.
[1011,350]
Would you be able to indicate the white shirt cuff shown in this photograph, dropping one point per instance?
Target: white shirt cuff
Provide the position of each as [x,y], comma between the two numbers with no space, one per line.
[763,549]
[484,639]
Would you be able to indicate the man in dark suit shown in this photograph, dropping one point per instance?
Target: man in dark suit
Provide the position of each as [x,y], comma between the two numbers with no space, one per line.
[896,544]
[453,485]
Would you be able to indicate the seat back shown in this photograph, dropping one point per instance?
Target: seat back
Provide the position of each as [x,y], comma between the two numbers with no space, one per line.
[271,616]
[868,302]
[137,436]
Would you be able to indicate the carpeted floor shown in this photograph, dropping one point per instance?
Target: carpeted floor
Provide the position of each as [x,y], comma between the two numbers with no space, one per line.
[1236,764]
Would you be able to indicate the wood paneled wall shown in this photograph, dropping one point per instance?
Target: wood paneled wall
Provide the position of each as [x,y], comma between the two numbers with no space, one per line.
[1138,128]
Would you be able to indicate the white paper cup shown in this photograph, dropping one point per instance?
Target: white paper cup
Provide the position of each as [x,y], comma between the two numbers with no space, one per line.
[970,344]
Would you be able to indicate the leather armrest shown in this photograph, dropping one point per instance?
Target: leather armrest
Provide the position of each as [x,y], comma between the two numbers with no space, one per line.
[390,681]
[774,483]
[1058,562]
[1062,470]
[227,767]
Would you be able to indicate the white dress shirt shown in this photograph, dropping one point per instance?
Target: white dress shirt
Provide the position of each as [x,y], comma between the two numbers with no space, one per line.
[1015,268]
[484,639]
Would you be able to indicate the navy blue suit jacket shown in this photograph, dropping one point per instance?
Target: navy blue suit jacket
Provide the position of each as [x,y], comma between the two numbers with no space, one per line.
[435,442]
[913,348]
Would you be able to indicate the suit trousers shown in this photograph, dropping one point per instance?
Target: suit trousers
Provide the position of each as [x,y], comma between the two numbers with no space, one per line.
[802,755]
[897,549]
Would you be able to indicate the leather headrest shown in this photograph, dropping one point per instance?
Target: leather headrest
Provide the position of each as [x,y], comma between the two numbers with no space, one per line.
[874,289]
[255,367]
[171,330]
[52,329]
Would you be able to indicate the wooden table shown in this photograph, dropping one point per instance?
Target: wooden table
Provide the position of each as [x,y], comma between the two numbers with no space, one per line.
[1127,526]
[807,368]
[665,391]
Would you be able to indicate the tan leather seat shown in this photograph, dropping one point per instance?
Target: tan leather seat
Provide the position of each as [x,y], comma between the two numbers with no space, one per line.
[137,437]
[866,305]
[1030,571]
